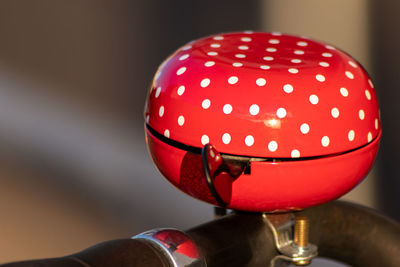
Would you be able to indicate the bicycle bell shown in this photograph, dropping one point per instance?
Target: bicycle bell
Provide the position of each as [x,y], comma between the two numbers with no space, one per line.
[262,121]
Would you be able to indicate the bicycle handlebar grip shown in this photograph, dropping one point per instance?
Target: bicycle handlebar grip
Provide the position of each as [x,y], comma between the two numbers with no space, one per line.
[121,252]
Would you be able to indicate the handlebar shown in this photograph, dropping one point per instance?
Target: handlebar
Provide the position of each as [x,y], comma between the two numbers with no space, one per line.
[342,231]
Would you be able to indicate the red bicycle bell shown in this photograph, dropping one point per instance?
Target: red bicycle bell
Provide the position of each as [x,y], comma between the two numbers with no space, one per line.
[262,121]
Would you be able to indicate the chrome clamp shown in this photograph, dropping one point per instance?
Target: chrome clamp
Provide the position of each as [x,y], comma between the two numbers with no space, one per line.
[176,246]
[291,239]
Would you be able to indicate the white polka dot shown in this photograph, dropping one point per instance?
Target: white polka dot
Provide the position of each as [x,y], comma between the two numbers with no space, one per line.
[288,88]
[314,99]
[243,47]
[147,118]
[180,90]
[212,53]
[205,82]
[254,109]
[265,67]
[276,33]
[370,83]
[299,52]
[335,112]
[349,75]
[324,64]
[330,47]
[181,71]
[218,37]
[293,70]
[302,43]
[273,41]
[166,133]
[268,58]
[325,141]
[181,120]
[376,124]
[344,92]
[187,47]
[240,55]
[249,140]
[353,64]
[226,138]
[233,79]
[261,81]
[248,32]
[361,114]
[227,109]
[215,45]
[367,94]
[246,39]
[369,137]
[158,91]
[351,135]
[272,146]
[281,113]
[161,111]
[237,64]
[209,63]
[326,54]
[295,60]
[183,57]
[205,140]
[304,128]
[271,49]
[320,77]
[295,153]
[206,103]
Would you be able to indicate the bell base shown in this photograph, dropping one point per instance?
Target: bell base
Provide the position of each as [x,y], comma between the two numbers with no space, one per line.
[270,186]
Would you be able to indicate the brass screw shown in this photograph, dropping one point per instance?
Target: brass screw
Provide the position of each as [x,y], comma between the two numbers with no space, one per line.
[301,232]
[301,237]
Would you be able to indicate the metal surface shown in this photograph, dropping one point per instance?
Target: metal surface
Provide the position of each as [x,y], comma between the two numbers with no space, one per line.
[281,226]
[249,93]
[308,109]
[175,245]
[212,161]
[220,173]
[268,185]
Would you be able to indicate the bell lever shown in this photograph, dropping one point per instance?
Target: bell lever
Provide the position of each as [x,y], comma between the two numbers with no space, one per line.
[210,168]
[213,165]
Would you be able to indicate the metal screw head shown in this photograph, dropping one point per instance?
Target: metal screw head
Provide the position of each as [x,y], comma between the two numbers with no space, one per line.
[302,262]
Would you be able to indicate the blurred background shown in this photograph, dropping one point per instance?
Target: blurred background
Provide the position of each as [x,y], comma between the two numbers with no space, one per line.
[73,79]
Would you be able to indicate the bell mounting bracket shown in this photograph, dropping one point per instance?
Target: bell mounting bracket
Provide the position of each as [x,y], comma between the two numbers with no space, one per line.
[282,226]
